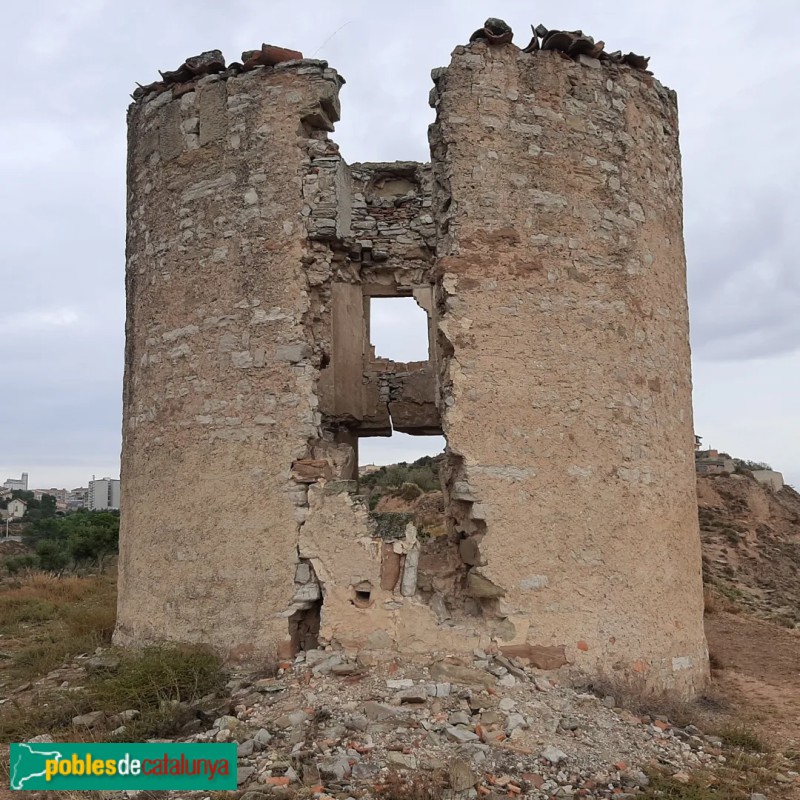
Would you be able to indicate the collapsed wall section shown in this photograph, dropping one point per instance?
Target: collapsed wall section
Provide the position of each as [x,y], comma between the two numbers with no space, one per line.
[563,334]
[387,252]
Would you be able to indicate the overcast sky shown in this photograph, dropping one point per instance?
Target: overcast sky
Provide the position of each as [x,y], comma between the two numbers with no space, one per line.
[68,71]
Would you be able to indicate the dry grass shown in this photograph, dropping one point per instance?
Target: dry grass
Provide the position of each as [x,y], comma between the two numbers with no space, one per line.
[719,597]
[60,617]
[50,620]
[416,786]
[742,774]
[741,737]
[705,711]
[750,764]
[154,681]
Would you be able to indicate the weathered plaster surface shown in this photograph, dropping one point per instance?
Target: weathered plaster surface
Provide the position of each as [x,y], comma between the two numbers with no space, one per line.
[562,296]
[545,243]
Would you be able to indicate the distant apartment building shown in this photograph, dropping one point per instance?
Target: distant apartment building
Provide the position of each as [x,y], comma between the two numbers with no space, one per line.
[103,494]
[59,494]
[17,485]
[77,498]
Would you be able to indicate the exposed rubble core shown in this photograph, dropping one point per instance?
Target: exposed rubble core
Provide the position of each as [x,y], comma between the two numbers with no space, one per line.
[544,242]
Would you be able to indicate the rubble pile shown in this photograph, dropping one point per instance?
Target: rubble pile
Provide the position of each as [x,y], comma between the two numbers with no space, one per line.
[573,44]
[212,62]
[328,726]
[491,728]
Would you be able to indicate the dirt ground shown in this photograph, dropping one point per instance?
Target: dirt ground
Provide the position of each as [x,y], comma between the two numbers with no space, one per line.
[759,674]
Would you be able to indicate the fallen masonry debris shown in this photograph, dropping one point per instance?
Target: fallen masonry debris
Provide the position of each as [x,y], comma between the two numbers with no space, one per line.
[212,62]
[575,44]
[336,736]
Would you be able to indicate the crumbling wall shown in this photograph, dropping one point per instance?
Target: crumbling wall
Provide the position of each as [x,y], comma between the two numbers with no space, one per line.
[394,233]
[545,244]
[221,363]
[563,334]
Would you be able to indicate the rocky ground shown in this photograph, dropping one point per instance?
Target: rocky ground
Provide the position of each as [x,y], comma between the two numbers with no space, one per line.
[487,727]
[325,727]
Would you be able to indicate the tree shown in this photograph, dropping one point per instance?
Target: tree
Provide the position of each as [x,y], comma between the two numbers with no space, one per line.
[85,536]
[95,539]
[53,556]
[47,506]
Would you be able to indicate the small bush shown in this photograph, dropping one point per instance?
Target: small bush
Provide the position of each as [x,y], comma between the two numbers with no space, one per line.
[665,787]
[742,738]
[17,564]
[149,677]
[53,555]
[158,681]
[409,492]
[753,466]
[635,697]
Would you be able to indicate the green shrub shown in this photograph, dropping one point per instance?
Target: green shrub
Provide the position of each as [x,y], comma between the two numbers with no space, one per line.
[742,738]
[409,492]
[154,681]
[154,675]
[53,555]
[17,564]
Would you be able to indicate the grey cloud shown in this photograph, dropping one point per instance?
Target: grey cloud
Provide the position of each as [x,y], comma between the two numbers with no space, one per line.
[62,165]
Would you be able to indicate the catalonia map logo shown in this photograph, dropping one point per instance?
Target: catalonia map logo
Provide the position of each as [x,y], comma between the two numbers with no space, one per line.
[114,767]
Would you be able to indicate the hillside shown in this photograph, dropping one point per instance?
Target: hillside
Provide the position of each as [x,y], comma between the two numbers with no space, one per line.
[751,545]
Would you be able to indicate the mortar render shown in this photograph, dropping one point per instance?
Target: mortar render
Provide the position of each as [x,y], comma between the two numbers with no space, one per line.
[558,370]
[219,382]
[566,365]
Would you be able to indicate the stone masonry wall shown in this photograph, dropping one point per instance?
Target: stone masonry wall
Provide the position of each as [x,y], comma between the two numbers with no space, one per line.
[545,244]
[564,334]
[219,386]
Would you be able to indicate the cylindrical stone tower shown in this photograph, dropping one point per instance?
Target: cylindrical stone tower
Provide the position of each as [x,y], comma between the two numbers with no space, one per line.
[566,382]
[219,395]
[559,370]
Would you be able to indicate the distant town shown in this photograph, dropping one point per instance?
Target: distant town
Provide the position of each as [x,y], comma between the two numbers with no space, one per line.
[15,497]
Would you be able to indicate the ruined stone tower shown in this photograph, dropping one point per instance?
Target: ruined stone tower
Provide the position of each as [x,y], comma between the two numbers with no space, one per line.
[545,243]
